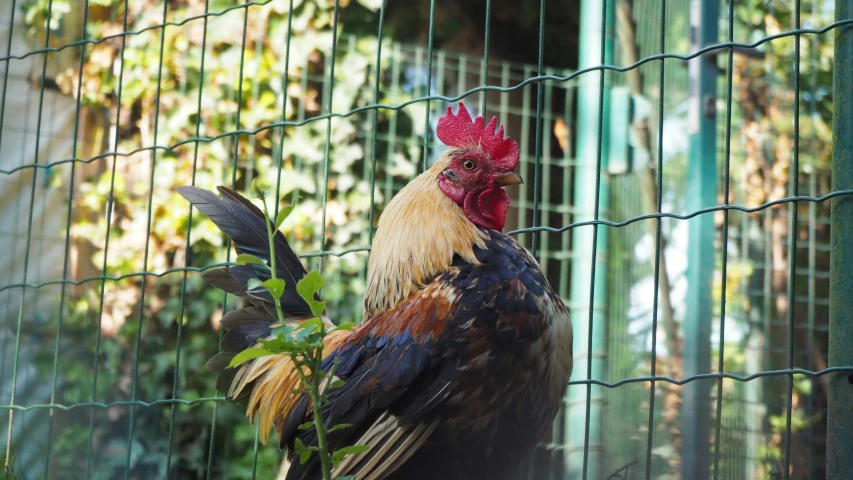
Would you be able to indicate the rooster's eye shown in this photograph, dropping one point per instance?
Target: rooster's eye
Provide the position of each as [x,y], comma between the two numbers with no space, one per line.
[469,165]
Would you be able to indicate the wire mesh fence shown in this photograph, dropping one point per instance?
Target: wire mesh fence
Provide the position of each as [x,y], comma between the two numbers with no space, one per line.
[108,105]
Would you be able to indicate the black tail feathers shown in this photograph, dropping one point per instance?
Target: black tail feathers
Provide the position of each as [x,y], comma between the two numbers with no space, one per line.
[245,224]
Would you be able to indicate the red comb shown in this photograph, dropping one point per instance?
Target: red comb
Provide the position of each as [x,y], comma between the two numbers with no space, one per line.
[459,131]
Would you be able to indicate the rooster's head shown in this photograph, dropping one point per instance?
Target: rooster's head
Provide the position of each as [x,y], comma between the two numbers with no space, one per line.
[478,165]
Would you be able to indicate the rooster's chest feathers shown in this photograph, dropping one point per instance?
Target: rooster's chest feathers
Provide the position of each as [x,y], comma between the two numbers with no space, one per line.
[515,337]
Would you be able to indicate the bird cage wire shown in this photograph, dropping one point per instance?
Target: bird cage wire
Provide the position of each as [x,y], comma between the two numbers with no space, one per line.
[107,324]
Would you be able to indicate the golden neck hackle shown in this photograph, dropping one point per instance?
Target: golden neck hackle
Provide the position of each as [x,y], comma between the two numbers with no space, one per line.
[418,234]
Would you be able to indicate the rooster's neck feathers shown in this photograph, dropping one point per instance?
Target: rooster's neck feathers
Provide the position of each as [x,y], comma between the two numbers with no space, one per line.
[418,235]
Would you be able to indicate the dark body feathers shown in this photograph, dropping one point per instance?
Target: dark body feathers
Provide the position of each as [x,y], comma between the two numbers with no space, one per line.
[472,354]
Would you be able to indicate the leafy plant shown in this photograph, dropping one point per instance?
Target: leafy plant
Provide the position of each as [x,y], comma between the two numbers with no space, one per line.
[302,343]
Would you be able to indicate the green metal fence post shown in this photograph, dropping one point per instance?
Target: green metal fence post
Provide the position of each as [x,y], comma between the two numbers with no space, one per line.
[591,199]
[702,185]
[840,403]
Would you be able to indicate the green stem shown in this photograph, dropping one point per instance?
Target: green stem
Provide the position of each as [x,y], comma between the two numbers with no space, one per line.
[314,364]
[271,237]
[317,400]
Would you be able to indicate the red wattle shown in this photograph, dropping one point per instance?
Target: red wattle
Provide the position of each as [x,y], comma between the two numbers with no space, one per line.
[487,208]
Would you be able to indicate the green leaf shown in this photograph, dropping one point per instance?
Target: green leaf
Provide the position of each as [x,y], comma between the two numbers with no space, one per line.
[339,426]
[249,354]
[312,341]
[246,259]
[339,454]
[277,345]
[284,331]
[345,477]
[275,287]
[345,326]
[303,451]
[317,308]
[337,384]
[258,189]
[306,426]
[270,344]
[283,214]
[310,284]
[307,287]
[308,327]
[253,283]
[310,324]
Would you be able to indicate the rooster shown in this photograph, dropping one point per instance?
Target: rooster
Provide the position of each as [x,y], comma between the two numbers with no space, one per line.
[464,352]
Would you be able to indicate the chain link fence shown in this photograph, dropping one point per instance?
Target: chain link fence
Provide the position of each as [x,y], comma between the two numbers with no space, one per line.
[678,167]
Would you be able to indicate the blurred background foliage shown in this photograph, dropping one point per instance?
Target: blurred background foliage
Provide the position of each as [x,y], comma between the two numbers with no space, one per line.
[154,103]
[229,68]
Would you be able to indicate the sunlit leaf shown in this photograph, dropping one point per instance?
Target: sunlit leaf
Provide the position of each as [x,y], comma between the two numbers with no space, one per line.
[303,451]
[253,283]
[275,286]
[310,325]
[341,453]
[307,287]
[283,214]
[317,308]
[249,354]
[285,331]
[247,259]
[258,189]
[339,426]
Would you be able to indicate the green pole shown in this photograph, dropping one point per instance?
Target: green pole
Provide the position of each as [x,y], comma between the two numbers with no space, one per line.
[588,289]
[702,188]
[839,461]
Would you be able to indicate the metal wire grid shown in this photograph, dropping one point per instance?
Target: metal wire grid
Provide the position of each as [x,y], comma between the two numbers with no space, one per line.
[538,84]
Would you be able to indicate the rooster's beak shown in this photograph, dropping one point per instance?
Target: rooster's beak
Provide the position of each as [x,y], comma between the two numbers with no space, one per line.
[508,178]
